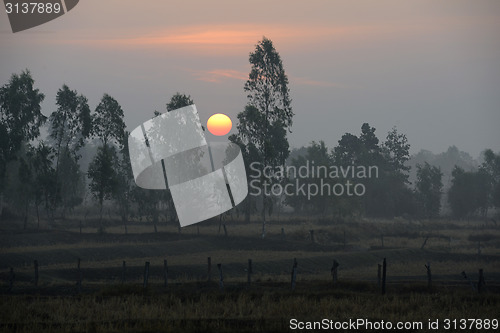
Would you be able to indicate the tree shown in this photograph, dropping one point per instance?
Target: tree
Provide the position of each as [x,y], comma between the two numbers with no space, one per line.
[20,119]
[469,193]
[103,178]
[429,188]
[107,122]
[268,115]
[109,128]
[491,166]
[70,125]
[178,101]
[397,152]
[41,159]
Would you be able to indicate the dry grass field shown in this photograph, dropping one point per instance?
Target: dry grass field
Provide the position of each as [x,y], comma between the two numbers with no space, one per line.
[192,303]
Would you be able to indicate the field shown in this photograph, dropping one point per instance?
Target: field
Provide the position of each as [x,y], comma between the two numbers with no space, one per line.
[194,301]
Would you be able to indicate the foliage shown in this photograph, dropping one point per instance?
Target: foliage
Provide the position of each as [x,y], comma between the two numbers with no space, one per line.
[20,117]
[429,188]
[266,118]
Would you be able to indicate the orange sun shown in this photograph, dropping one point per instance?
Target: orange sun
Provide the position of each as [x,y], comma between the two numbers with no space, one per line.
[219,124]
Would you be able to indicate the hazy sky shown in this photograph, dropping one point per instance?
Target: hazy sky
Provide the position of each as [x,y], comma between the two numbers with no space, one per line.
[430,68]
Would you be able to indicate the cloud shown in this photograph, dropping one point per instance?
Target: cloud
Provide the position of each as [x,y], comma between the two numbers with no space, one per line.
[224,39]
[218,75]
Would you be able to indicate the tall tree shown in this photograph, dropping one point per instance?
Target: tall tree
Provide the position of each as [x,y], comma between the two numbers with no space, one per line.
[70,125]
[20,118]
[109,128]
[264,123]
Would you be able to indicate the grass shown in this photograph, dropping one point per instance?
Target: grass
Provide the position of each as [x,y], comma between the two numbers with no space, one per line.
[191,304]
[262,308]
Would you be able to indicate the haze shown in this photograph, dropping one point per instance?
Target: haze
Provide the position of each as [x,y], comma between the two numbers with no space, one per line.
[432,69]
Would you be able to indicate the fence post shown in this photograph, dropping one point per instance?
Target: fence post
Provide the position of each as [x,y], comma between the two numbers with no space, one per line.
[250,271]
[334,271]
[294,273]
[312,235]
[209,269]
[470,282]
[221,278]
[379,275]
[283,237]
[384,270]
[12,276]
[425,242]
[165,272]
[481,284]
[146,274]
[36,272]
[225,230]
[124,271]
[429,276]
[79,277]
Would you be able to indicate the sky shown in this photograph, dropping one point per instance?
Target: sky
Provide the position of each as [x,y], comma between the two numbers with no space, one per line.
[429,68]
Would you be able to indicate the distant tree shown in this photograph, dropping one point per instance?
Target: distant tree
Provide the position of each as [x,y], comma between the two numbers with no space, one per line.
[70,125]
[109,128]
[491,166]
[41,159]
[20,119]
[103,177]
[429,187]
[265,120]
[316,158]
[107,122]
[397,153]
[178,101]
[469,193]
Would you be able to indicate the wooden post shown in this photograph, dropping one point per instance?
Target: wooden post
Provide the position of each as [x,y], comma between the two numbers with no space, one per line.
[79,277]
[470,282]
[250,271]
[384,270]
[225,230]
[165,272]
[294,273]
[312,235]
[209,269]
[12,276]
[146,274]
[221,278]
[36,272]
[425,242]
[334,271]
[379,275]
[124,271]
[283,237]
[481,284]
[429,276]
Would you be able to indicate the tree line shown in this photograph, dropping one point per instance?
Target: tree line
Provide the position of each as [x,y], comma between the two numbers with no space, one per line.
[45,174]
